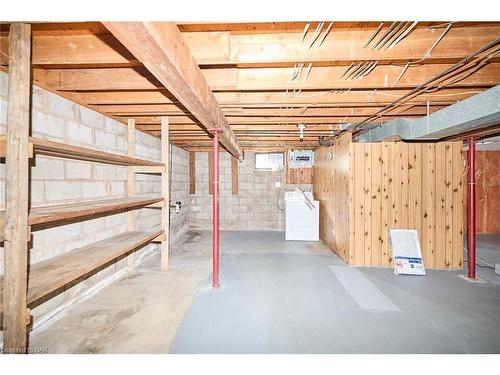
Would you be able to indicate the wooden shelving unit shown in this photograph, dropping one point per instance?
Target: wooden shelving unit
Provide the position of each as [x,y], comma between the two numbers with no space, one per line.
[24,285]
[53,274]
[40,146]
[80,210]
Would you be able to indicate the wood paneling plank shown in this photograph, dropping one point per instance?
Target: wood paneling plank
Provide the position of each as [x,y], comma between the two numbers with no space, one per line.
[428,205]
[440,170]
[457,205]
[376,204]
[359,204]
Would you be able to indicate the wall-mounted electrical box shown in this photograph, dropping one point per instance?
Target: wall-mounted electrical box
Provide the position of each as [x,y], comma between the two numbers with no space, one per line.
[300,158]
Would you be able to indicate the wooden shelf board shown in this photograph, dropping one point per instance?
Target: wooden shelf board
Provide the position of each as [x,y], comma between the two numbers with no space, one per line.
[65,212]
[52,274]
[58,149]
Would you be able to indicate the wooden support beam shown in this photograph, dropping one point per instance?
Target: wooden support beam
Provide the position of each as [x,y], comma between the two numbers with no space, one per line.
[16,190]
[248,79]
[131,214]
[277,99]
[234,176]
[163,51]
[192,172]
[304,111]
[210,173]
[265,48]
[165,191]
[343,45]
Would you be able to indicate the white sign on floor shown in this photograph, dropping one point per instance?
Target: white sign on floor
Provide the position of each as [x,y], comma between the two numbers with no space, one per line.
[406,252]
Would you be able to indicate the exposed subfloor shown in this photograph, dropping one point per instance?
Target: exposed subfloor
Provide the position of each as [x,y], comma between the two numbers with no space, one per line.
[281,297]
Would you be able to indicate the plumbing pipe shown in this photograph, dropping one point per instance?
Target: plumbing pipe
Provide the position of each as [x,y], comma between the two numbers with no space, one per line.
[215,213]
[471,212]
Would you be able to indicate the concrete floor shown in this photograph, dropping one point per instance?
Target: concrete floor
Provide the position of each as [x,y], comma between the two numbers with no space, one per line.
[281,297]
[139,313]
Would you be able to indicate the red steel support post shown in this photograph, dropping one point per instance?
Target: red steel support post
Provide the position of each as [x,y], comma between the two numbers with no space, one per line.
[215,213]
[471,214]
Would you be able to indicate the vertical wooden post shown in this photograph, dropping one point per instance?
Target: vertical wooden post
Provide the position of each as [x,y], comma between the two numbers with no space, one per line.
[16,190]
[165,189]
[234,176]
[131,214]
[192,172]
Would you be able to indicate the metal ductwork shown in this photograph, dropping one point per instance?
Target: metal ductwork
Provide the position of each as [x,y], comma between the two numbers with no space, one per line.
[475,113]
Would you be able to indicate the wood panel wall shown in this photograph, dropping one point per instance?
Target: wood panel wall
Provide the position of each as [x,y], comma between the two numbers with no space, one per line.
[487,192]
[331,188]
[365,189]
[301,176]
[408,186]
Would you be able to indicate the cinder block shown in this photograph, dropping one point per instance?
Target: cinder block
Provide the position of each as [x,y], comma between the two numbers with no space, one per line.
[93,189]
[2,194]
[42,123]
[117,188]
[103,234]
[4,84]
[60,106]
[78,171]
[78,133]
[93,225]
[38,98]
[114,220]
[3,111]
[60,190]
[90,118]
[37,192]
[121,144]
[115,127]
[47,168]
[105,140]
[61,234]
[38,239]
[121,173]
[105,172]
[47,306]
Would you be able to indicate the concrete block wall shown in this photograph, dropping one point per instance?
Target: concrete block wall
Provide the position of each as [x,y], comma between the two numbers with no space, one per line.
[179,191]
[56,181]
[254,208]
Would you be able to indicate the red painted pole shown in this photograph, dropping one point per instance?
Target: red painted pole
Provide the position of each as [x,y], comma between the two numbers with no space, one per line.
[215,213]
[471,214]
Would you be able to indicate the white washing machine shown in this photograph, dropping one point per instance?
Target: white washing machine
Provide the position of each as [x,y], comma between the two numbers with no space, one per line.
[302,216]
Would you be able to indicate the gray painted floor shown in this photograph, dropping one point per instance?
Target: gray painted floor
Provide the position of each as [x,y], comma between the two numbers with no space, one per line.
[488,250]
[295,297]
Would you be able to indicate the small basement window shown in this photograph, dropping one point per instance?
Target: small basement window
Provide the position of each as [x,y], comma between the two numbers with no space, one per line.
[270,161]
